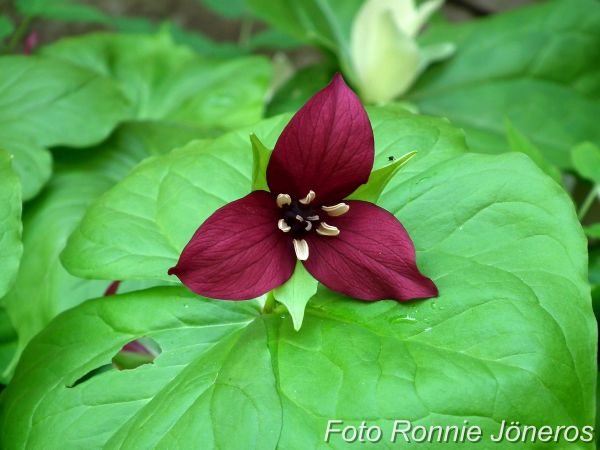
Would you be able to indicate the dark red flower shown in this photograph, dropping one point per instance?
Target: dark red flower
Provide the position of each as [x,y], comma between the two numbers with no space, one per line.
[250,246]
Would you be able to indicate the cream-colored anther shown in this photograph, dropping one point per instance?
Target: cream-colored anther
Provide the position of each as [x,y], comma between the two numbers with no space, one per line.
[309,198]
[308,226]
[283,199]
[315,217]
[301,249]
[336,210]
[299,218]
[283,226]
[327,230]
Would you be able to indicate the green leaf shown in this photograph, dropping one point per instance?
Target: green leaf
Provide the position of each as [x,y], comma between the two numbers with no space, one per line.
[260,161]
[519,143]
[296,292]
[226,167]
[272,39]
[202,44]
[586,161]
[6,27]
[505,256]
[435,53]
[44,288]
[232,9]
[45,103]
[195,40]
[326,23]
[11,247]
[299,88]
[379,179]
[593,231]
[138,229]
[594,268]
[31,162]
[50,102]
[8,343]
[62,10]
[225,363]
[170,82]
[530,66]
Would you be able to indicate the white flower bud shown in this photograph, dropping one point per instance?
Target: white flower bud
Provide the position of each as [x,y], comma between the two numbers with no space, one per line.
[386,58]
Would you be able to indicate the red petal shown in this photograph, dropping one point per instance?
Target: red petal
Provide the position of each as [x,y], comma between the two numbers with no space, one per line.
[238,253]
[372,258]
[112,288]
[327,147]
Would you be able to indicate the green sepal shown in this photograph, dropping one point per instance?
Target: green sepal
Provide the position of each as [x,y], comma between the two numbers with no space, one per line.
[261,155]
[371,191]
[296,292]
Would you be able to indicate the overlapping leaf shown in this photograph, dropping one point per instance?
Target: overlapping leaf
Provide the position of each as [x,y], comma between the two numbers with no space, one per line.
[512,332]
[44,103]
[43,287]
[170,82]
[535,66]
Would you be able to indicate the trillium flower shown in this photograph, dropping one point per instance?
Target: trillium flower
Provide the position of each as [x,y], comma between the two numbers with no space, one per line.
[251,246]
[386,58]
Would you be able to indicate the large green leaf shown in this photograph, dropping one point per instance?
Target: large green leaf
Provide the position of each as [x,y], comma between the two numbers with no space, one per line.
[512,335]
[170,82]
[43,287]
[138,229]
[11,247]
[161,80]
[52,102]
[11,250]
[222,371]
[44,103]
[535,66]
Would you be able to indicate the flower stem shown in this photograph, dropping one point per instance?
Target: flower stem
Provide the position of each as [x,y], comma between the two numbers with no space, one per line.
[587,203]
[269,304]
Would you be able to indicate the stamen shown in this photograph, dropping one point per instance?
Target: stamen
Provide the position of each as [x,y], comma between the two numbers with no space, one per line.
[283,226]
[336,210]
[327,230]
[315,217]
[283,199]
[308,226]
[309,198]
[301,249]
[299,218]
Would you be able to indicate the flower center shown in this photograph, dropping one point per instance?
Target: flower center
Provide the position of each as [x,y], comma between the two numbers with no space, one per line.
[299,218]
